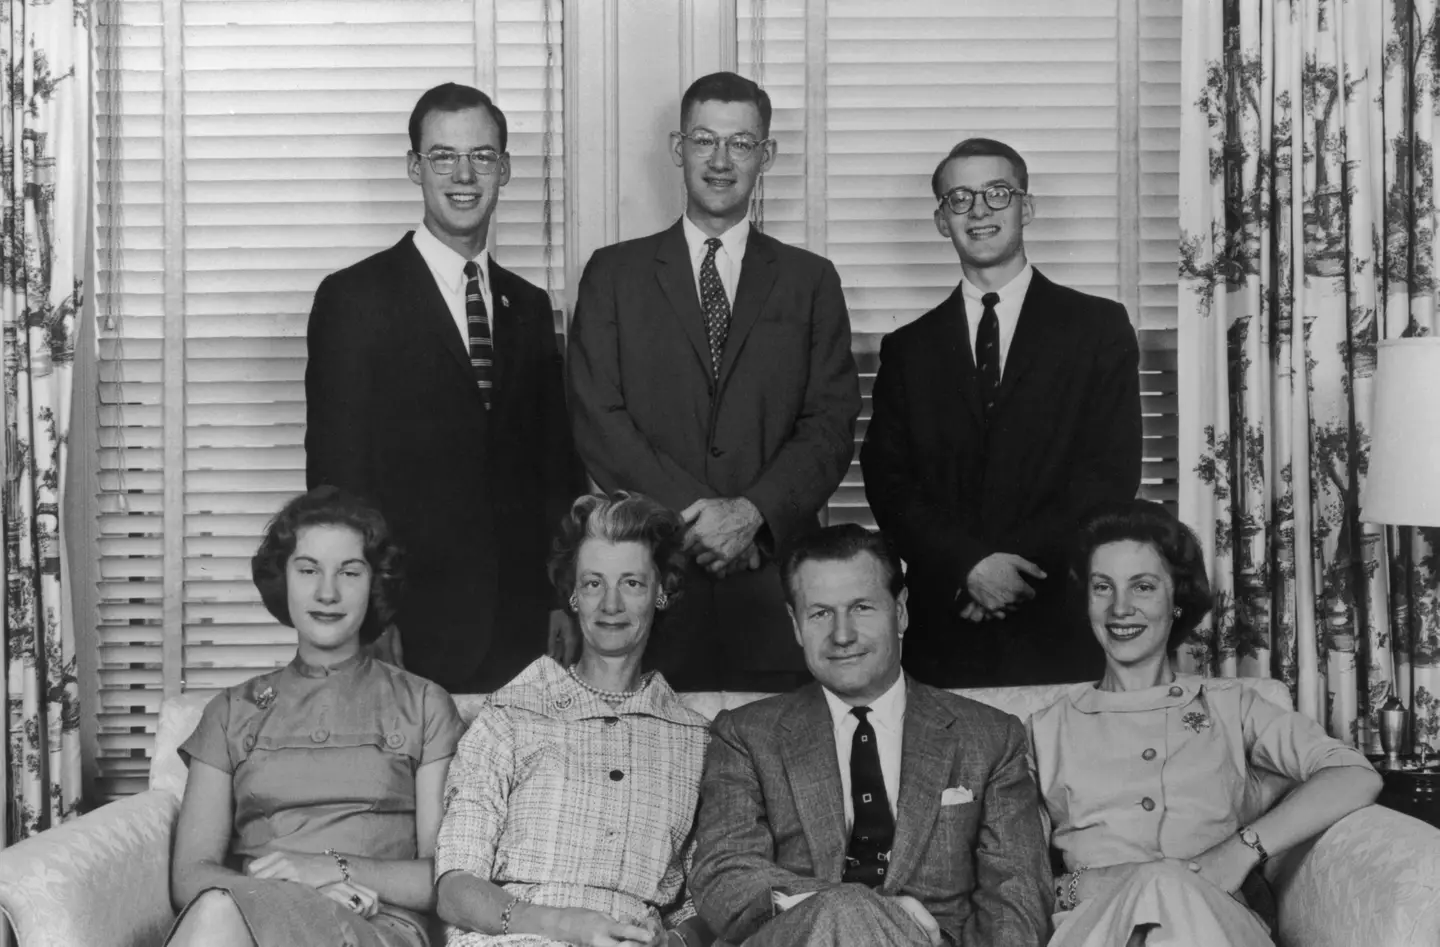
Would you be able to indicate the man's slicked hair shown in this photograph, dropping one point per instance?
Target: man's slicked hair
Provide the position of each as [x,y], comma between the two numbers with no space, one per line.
[982,147]
[841,544]
[453,97]
[726,87]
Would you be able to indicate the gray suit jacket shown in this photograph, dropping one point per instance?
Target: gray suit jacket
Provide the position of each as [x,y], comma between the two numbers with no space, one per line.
[772,817]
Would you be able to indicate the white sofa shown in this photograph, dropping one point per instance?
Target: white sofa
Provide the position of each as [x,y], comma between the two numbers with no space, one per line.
[1372,880]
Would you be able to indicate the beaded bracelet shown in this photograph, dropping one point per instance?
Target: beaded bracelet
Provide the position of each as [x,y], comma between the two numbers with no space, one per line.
[342,862]
[505,916]
[1073,894]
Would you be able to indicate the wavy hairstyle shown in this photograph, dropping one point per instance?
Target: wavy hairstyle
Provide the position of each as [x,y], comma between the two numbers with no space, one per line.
[619,517]
[1144,522]
[330,506]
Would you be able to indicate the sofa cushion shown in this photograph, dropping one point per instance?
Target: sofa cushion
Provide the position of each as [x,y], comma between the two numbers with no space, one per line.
[179,715]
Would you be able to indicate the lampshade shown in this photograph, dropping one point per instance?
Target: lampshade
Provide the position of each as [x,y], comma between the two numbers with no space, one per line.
[1402,487]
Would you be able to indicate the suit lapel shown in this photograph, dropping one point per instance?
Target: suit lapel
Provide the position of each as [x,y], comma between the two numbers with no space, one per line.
[677,279]
[428,307]
[927,754]
[1033,332]
[814,775]
[505,324]
[960,359]
[757,278]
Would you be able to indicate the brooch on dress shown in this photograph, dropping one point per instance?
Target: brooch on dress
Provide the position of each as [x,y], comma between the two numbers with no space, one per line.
[265,698]
[1195,721]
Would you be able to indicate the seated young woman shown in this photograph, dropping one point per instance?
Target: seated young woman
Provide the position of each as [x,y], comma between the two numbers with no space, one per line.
[1149,777]
[314,793]
[570,807]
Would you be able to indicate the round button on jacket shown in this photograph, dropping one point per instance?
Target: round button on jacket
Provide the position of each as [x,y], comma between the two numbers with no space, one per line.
[395,740]
[320,735]
[249,741]
[1149,754]
[616,775]
[1147,804]
[1176,691]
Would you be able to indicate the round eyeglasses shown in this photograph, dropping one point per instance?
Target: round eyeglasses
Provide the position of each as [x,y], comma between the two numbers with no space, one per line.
[446,160]
[741,147]
[997,197]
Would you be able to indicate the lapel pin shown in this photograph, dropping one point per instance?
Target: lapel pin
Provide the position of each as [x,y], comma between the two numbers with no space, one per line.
[504,300]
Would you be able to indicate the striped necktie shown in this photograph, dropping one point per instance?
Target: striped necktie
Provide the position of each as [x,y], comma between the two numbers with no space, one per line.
[987,355]
[482,348]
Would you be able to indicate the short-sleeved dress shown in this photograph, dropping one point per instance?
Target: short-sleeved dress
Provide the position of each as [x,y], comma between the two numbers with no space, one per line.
[1166,772]
[324,758]
[564,800]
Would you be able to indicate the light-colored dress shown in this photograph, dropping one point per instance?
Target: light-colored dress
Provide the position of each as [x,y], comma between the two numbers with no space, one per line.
[324,758]
[1166,772]
[564,800]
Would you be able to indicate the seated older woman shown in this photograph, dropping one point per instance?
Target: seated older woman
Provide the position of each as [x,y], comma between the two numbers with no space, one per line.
[314,792]
[570,809]
[1149,776]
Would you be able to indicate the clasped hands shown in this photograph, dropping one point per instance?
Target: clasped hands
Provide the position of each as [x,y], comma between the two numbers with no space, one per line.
[997,586]
[319,872]
[721,534]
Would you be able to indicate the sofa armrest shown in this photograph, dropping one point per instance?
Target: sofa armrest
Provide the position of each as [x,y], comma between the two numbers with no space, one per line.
[1372,878]
[102,880]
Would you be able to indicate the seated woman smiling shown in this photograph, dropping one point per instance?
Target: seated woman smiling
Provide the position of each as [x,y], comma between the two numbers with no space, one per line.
[570,809]
[314,792]
[1151,778]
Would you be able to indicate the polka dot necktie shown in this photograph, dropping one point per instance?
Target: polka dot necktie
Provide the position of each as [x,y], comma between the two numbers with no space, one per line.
[874,829]
[715,304]
[987,355]
[482,348]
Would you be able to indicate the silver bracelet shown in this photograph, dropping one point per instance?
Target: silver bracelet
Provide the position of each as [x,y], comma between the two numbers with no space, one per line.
[505,916]
[341,861]
[1073,899]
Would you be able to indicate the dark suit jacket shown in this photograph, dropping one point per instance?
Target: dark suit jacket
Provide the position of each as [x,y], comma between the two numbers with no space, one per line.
[473,496]
[1065,438]
[772,817]
[777,426]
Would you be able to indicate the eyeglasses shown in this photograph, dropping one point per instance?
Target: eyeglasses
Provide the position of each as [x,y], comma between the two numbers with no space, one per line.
[445,160]
[997,197]
[741,147]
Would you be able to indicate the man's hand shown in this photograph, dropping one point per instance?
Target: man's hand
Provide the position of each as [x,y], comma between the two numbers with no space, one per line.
[564,638]
[973,612]
[315,871]
[997,583]
[922,917]
[721,531]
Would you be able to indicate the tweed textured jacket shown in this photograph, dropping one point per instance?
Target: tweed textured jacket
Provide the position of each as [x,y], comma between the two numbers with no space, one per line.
[772,817]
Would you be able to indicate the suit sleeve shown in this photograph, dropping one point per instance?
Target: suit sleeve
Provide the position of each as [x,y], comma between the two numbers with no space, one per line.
[338,387]
[616,453]
[1107,467]
[1012,876]
[565,478]
[811,464]
[735,871]
[924,532]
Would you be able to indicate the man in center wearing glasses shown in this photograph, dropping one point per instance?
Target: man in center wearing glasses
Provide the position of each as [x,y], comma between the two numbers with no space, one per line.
[434,388]
[1001,417]
[710,368]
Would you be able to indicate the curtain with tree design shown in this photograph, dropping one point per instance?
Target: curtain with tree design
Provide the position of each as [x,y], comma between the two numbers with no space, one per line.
[1308,233]
[44,142]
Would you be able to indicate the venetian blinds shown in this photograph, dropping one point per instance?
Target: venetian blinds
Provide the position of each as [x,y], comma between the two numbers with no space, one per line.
[868,97]
[247,149]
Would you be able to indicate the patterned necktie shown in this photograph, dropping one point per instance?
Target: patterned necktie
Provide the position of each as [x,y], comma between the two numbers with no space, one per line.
[874,829]
[987,354]
[715,304]
[482,348]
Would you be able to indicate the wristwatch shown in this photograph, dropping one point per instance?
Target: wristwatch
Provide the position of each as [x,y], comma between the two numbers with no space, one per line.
[1250,837]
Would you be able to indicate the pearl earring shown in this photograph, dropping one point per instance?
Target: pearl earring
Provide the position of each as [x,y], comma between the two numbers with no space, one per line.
[1177,613]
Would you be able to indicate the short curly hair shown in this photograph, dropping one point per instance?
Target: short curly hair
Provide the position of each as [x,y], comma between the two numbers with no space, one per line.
[619,517]
[1142,521]
[330,506]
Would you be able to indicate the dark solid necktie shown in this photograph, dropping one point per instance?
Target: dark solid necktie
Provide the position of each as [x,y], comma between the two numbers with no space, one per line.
[874,828]
[715,304]
[987,355]
[482,348]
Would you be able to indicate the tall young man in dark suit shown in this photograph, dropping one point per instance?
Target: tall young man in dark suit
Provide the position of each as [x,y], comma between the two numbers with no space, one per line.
[710,368]
[1000,418]
[434,388]
[866,808]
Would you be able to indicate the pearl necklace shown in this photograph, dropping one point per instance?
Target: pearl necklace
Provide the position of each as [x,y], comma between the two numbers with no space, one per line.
[612,697]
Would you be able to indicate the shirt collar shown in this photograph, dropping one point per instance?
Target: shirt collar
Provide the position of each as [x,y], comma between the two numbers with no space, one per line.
[886,710]
[547,689]
[732,241]
[1089,699]
[1013,291]
[447,265]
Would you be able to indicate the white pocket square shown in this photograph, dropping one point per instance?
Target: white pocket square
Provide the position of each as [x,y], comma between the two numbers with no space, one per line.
[956,795]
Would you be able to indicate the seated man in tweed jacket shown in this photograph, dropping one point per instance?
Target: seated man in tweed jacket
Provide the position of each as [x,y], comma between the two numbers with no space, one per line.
[866,808]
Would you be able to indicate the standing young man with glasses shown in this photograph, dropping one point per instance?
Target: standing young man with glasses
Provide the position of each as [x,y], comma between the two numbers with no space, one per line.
[434,388]
[710,368]
[1000,418]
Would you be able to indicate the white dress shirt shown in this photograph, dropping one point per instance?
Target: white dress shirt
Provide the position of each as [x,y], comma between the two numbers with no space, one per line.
[448,268]
[1007,310]
[727,258]
[887,716]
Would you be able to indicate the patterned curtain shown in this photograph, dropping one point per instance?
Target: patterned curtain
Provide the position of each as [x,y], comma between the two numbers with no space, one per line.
[45,141]
[1308,233]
